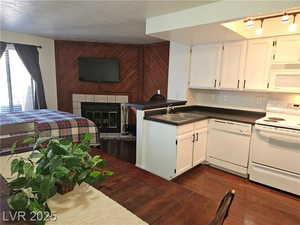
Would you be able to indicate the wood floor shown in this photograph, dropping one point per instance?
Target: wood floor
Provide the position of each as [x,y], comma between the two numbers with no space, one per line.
[253,204]
[192,198]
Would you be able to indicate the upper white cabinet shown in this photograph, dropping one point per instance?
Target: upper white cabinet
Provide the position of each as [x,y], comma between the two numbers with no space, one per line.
[179,68]
[287,50]
[233,61]
[257,66]
[246,65]
[205,65]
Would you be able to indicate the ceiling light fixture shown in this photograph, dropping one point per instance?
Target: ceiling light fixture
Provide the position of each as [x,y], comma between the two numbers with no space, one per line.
[293,26]
[259,31]
[285,18]
[249,22]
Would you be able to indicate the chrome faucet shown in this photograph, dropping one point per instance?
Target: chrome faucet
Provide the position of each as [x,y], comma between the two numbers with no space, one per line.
[169,109]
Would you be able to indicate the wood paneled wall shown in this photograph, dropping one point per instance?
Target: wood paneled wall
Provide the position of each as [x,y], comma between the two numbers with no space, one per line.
[143,70]
[156,65]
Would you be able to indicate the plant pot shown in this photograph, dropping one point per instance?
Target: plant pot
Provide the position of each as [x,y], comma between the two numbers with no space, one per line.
[64,188]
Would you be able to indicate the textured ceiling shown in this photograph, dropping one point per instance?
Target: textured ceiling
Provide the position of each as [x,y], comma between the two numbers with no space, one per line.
[101,21]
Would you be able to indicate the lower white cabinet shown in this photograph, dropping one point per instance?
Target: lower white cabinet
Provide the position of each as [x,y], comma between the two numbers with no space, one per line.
[184,150]
[172,150]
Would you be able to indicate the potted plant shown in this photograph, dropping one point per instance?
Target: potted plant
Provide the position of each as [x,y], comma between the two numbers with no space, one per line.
[55,165]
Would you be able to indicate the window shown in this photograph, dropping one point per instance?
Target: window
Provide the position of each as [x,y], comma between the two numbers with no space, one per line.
[16,85]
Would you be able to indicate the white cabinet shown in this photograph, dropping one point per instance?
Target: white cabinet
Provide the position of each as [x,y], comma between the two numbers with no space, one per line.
[233,61]
[172,150]
[258,62]
[199,153]
[185,147]
[179,67]
[191,145]
[205,65]
[287,50]
[243,65]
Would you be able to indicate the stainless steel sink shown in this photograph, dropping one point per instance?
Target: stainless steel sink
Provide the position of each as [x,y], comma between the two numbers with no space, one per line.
[178,116]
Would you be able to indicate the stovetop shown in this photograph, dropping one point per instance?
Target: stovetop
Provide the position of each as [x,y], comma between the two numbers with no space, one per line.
[281,114]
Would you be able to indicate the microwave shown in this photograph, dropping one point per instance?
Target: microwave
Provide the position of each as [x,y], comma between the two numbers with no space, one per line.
[285,80]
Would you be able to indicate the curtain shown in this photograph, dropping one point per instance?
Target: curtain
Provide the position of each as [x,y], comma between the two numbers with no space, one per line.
[30,57]
[2,47]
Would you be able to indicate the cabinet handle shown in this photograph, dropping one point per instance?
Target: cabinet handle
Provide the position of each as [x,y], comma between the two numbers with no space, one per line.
[193,137]
[197,135]
[215,85]
[244,84]
[238,84]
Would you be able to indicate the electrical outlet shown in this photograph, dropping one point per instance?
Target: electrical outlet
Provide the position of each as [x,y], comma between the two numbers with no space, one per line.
[260,100]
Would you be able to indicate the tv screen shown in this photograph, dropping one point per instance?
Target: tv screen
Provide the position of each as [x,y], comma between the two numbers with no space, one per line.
[99,69]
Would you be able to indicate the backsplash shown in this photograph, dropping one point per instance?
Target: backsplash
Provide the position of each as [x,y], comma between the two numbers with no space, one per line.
[253,101]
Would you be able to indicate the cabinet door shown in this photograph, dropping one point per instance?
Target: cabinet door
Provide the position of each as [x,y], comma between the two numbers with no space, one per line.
[258,62]
[184,152]
[233,62]
[199,154]
[179,69]
[287,50]
[205,66]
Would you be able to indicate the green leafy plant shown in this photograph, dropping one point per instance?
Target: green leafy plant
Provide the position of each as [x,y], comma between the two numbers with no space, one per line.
[53,164]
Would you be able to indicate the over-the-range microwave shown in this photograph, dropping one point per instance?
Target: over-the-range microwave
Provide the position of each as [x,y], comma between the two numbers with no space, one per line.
[285,80]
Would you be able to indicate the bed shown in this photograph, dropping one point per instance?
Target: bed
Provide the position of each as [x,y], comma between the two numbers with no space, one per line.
[53,123]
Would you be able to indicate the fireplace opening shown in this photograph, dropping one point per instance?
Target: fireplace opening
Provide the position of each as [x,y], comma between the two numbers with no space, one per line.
[106,116]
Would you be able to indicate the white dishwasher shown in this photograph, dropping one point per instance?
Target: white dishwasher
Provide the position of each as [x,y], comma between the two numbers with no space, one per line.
[228,146]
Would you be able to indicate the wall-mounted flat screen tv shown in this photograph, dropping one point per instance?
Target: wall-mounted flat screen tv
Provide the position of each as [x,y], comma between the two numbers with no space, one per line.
[99,69]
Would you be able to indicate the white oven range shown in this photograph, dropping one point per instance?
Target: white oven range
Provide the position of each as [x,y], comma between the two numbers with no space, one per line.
[275,148]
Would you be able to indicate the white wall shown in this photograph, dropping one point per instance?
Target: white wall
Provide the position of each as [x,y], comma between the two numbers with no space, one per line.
[47,61]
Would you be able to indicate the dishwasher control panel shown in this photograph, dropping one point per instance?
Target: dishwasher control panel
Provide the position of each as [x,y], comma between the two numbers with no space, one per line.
[230,126]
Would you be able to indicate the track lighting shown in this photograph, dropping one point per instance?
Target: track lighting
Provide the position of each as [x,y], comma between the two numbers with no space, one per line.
[293,26]
[249,22]
[259,30]
[285,18]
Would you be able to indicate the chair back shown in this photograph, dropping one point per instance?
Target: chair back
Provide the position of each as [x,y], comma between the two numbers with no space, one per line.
[11,134]
[223,209]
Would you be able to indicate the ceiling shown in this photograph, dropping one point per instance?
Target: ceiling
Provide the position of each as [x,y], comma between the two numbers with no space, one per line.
[102,21]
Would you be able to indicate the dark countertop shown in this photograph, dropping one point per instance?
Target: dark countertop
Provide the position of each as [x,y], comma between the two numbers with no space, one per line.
[156,104]
[189,114]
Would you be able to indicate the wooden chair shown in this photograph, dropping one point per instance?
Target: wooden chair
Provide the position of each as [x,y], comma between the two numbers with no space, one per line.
[16,133]
[223,209]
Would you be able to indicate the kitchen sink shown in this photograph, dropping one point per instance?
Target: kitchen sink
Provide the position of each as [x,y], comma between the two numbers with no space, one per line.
[179,116]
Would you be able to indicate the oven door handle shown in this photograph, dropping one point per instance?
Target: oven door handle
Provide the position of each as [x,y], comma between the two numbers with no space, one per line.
[279,135]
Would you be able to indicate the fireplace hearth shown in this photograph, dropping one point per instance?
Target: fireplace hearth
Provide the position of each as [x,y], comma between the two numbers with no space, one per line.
[107,116]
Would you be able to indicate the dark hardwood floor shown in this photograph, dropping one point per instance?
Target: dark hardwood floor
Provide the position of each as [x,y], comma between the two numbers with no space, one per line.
[192,198]
[254,204]
[153,199]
